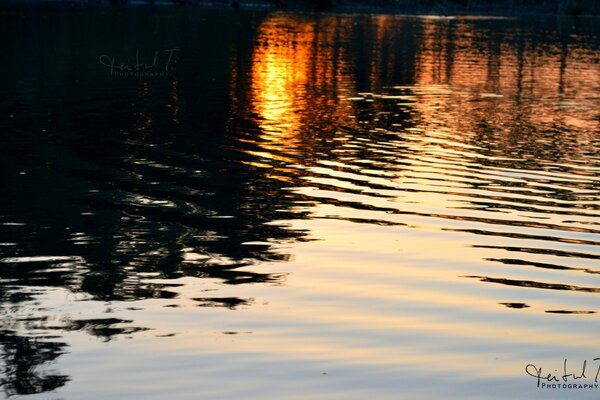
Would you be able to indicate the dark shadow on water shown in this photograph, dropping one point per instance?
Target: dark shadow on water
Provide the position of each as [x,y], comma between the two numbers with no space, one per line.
[23,357]
[109,179]
[516,305]
[536,285]
[229,302]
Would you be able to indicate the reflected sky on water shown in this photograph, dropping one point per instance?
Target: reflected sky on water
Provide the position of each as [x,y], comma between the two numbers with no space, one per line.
[296,205]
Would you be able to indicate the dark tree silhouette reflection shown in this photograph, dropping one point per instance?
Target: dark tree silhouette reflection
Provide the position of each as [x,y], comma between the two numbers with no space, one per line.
[113,188]
[23,359]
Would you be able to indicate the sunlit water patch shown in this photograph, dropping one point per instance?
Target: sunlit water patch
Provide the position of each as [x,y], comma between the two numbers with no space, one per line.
[304,205]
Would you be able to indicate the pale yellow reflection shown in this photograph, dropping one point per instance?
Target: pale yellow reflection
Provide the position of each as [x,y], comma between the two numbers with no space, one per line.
[347,302]
[386,200]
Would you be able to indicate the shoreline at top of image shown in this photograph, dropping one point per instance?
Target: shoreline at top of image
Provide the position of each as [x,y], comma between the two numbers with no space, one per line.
[439,8]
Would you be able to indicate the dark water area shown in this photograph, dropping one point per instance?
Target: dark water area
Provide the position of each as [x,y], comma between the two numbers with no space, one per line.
[207,203]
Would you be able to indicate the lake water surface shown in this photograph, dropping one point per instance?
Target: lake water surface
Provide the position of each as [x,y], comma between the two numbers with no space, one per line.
[213,204]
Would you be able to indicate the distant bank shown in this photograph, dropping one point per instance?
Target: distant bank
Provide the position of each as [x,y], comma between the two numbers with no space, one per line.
[437,7]
[453,7]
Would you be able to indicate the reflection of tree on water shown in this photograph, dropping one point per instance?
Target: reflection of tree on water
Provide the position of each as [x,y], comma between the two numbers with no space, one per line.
[22,356]
[132,192]
[24,359]
[157,190]
[191,176]
[171,194]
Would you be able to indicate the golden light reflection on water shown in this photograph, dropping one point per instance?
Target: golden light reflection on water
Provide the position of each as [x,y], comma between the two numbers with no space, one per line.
[296,79]
[422,190]
[280,74]
[442,181]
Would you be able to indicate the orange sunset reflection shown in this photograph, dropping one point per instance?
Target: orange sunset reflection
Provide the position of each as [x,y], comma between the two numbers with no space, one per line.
[296,81]
[411,128]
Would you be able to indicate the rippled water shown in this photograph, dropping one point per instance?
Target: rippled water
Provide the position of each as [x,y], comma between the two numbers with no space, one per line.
[296,205]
